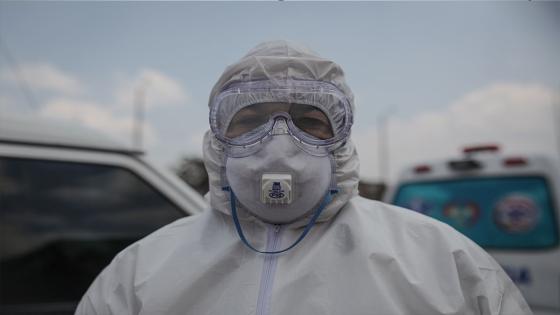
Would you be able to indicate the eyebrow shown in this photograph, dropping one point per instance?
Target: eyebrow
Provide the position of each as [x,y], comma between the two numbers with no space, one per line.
[320,117]
[307,108]
[312,109]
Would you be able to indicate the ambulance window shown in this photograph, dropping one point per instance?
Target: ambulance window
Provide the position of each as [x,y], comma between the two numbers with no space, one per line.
[506,212]
[61,223]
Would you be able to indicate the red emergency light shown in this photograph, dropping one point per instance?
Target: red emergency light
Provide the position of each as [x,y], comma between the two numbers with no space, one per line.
[481,148]
[421,169]
[515,161]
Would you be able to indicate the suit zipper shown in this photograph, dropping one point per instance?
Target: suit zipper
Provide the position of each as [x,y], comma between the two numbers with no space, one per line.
[269,270]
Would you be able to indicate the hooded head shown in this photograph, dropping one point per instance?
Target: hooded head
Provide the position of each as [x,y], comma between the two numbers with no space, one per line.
[278,63]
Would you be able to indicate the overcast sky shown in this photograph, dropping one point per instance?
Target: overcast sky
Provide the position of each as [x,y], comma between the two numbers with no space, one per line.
[445,75]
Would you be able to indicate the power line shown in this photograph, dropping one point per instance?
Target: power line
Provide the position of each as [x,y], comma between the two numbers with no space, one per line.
[20,77]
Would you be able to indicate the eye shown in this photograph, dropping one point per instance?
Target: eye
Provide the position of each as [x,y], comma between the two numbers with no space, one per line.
[253,116]
[243,122]
[315,126]
[312,122]
[247,120]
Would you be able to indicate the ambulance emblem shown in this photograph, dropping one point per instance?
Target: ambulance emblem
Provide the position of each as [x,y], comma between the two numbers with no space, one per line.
[516,214]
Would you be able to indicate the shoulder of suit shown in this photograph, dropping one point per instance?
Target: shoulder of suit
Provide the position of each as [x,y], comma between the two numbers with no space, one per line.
[396,223]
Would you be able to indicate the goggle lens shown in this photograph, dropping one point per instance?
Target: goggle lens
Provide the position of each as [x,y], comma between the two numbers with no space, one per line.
[309,119]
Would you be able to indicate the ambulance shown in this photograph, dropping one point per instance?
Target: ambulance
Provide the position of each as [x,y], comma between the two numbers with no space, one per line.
[507,204]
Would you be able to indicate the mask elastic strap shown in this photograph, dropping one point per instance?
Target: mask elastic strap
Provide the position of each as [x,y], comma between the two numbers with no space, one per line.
[324,203]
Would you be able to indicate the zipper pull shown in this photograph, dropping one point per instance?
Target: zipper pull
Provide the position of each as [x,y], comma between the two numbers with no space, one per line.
[277,228]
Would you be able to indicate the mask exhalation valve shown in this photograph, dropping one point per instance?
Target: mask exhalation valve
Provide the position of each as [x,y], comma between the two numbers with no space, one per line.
[276,189]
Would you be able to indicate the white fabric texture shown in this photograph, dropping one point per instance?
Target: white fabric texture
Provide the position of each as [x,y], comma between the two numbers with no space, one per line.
[371,258]
[362,257]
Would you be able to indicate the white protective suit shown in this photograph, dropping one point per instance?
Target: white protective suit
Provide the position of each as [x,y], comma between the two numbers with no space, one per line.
[362,256]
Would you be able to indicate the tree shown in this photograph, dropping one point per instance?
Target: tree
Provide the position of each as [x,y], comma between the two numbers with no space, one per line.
[192,171]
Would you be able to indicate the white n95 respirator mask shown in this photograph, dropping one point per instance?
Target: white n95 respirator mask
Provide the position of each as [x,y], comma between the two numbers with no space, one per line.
[279,183]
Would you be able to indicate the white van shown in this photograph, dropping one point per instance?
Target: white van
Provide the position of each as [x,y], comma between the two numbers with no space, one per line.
[507,204]
[69,201]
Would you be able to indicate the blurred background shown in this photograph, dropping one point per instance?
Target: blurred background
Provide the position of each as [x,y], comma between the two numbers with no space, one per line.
[429,79]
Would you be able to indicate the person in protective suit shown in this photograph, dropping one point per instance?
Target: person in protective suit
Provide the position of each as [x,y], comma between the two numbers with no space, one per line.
[287,232]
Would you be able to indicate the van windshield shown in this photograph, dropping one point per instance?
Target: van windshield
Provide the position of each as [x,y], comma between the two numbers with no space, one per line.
[505,212]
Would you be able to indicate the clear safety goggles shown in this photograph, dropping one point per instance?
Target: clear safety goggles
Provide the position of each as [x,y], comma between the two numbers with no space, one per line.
[317,114]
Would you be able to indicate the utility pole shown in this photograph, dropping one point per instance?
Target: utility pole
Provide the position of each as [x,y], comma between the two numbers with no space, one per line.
[139,112]
[383,153]
[21,81]
[556,117]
